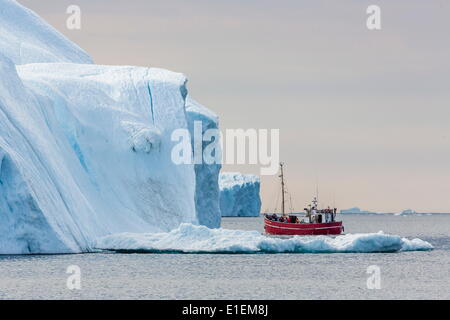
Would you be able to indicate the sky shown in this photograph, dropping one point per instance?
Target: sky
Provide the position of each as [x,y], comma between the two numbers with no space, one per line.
[364,114]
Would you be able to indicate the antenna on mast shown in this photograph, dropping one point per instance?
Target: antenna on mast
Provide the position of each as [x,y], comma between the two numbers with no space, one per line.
[317,191]
[282,189]
[334,199]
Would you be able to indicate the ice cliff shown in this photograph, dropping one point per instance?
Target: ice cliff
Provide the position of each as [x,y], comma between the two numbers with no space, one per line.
[207,175]
[239,195]
[85,150]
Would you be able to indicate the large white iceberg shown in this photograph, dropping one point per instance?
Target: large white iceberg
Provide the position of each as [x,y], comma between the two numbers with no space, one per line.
[239,195]
[85,150]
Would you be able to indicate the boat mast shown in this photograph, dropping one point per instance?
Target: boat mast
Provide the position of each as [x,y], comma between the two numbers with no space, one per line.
[317,192]
[282,189]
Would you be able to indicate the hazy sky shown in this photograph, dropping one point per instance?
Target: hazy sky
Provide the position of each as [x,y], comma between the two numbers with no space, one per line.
[364,113]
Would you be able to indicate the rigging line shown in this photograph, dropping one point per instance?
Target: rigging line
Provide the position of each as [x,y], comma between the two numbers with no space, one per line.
[270,203]
[276,201]
[290,203]
[290,199]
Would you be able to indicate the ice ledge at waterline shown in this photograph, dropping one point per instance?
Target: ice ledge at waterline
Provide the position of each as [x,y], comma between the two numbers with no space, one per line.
[190,238]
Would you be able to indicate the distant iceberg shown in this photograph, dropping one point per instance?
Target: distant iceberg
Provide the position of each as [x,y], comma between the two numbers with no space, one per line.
[357,211]
[198,239]
[408,212]
[239,195]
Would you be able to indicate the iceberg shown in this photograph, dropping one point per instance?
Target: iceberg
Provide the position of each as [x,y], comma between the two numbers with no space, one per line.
[188,238]
[357,211]
[85,149]
[85,153]
[407,212]
[239,195]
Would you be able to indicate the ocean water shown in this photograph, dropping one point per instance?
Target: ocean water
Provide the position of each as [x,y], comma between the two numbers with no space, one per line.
[403,275]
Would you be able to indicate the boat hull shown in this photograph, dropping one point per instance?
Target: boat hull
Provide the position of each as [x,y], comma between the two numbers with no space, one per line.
[302,229]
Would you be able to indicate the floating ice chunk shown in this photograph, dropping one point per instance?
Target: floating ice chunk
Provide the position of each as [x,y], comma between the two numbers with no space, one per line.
[415,245]
[189,238]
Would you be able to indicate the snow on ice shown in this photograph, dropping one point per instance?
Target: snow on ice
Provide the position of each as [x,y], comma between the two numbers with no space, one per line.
[26,38]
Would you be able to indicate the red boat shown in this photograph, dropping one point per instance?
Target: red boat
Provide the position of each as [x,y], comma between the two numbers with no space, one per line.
[302,229]
[313,222]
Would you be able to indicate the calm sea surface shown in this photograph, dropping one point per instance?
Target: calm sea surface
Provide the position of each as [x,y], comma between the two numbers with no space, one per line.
[404,275]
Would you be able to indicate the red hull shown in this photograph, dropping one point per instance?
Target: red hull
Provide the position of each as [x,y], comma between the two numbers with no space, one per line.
[302,229]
